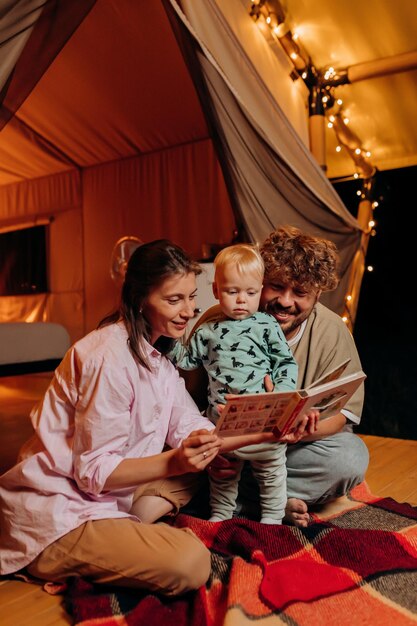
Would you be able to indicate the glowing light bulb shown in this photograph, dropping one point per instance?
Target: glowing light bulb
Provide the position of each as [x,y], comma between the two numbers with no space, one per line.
[330,125]
[375,204]
[293,55]
[368,154]
[339,101]
[345,319]
[356,175]
[359,192]
[324,98]
[331,118]
[349,298]
[338,148]
[346,120]
[358,151]
[304,75]
[370,268]
[371,223]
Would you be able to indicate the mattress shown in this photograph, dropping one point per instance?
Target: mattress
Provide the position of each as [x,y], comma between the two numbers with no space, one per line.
[31,347]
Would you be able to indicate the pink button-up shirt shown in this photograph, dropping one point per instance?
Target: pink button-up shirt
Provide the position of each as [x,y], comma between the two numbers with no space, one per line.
[100,408]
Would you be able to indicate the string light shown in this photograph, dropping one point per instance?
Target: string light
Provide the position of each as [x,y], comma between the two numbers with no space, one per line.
[329,74]
[323,84]
[272,21]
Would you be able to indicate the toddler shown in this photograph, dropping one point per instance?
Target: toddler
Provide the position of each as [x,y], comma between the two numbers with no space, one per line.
[237,351]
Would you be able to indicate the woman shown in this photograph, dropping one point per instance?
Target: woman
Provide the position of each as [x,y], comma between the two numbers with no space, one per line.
[94,477]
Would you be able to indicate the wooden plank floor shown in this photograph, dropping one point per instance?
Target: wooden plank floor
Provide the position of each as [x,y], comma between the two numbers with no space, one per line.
[392,468]
[392,472]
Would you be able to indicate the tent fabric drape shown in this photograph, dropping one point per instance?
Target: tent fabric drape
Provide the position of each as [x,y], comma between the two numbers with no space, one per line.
[33,33]
[150,196]
[221,47]
[18,18]
[40,197]
[272,176]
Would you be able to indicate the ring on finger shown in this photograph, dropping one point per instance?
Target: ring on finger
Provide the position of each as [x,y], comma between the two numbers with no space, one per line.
[204,455]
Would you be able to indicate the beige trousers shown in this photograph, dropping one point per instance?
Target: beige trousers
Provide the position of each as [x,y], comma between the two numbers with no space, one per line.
[125,552]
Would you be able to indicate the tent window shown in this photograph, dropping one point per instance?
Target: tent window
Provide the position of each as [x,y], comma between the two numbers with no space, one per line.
[23,262]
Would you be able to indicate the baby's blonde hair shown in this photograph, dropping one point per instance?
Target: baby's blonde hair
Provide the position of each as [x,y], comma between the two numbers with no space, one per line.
[245,257]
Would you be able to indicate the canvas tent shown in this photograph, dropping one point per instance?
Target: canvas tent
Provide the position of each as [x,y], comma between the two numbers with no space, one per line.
[130,125]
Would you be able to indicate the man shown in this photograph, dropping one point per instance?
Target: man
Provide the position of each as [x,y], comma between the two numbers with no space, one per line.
[298,268]
[329,463]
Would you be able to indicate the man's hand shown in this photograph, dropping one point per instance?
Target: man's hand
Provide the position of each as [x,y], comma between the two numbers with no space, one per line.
[306,427]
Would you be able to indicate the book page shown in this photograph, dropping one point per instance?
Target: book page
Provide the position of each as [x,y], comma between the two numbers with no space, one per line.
[255,413]
[331,397]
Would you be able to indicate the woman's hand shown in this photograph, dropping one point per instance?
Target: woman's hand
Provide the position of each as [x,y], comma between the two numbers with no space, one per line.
[196,452]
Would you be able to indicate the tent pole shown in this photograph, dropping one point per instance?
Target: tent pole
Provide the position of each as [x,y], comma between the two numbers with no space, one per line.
[364,217]
[382,67]
[317,126]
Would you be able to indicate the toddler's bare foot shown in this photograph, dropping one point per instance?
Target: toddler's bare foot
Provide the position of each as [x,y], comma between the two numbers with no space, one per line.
[296,513]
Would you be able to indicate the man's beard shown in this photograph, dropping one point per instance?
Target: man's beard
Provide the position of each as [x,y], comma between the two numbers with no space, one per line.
[273,308]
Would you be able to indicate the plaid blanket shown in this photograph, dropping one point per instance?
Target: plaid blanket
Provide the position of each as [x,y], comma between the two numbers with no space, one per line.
[357,567]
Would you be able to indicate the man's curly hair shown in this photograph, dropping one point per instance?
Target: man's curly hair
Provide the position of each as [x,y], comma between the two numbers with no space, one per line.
[296,258]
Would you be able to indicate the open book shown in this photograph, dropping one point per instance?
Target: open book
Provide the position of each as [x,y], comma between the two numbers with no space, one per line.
[283,410]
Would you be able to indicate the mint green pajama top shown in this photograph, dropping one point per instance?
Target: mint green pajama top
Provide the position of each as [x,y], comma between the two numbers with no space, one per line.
[237,354]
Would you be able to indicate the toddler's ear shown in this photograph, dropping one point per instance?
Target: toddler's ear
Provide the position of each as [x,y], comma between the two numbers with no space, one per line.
[215,291]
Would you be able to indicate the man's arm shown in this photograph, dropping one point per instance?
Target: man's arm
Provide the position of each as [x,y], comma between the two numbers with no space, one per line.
[325,344]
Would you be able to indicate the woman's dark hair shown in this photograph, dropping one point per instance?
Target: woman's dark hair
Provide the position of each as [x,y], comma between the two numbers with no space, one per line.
[148,267]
